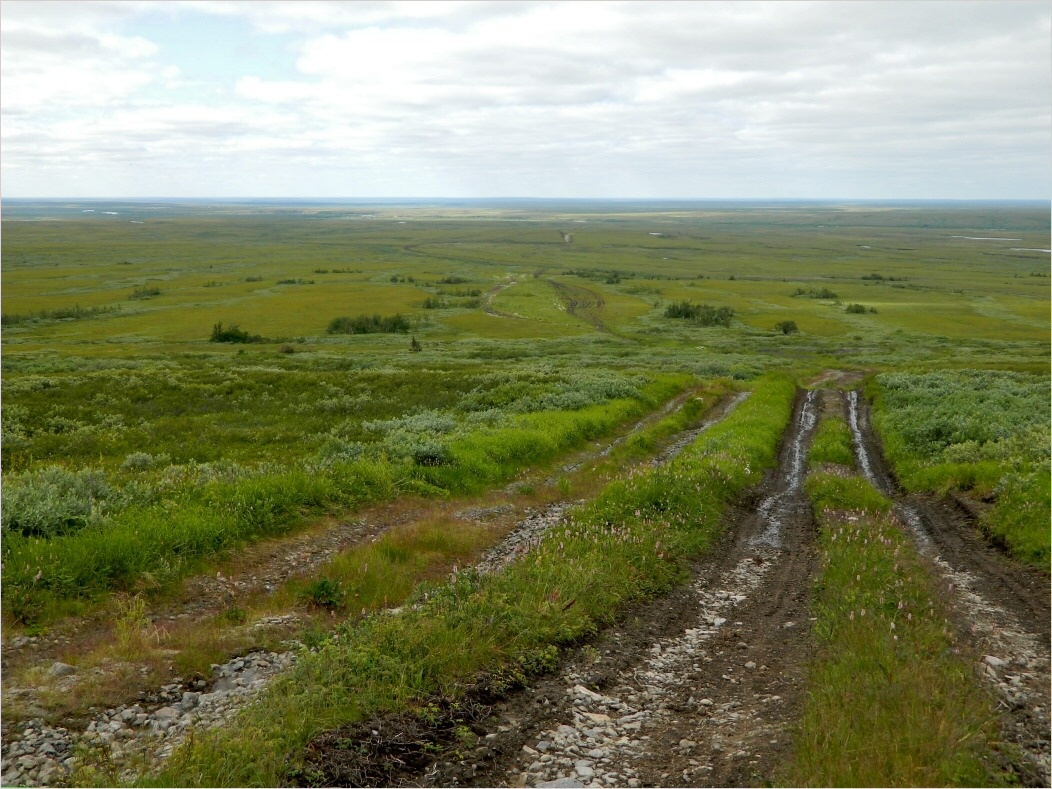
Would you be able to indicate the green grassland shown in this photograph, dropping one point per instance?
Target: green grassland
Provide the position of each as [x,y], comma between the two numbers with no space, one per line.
[937,288]
[136,450]
[118,408]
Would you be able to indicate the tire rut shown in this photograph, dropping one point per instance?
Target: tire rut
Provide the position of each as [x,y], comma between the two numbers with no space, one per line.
[1001,606]
[581,302]
[696,689]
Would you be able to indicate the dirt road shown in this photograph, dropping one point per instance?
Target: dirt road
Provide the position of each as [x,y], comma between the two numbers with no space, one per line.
[695,689]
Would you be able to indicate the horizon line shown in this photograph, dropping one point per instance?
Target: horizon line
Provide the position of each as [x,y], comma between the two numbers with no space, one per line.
[513,198]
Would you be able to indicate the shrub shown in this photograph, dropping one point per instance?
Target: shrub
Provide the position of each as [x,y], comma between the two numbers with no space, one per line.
[787,327]
[816,293]
[369,324]
[859,309]
[139,461]
[700,314]
[145,293]
[324,593]
[232,334]
[54,501]
[75,313]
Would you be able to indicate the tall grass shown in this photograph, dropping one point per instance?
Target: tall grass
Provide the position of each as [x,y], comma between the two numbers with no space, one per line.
[890,701]
[630,543]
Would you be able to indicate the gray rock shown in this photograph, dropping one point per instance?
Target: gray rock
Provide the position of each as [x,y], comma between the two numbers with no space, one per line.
[559,783]
[60,669]
[28,762]
[190,700]
[165,713]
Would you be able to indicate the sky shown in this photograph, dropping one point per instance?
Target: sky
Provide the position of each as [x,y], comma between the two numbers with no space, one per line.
[681,100]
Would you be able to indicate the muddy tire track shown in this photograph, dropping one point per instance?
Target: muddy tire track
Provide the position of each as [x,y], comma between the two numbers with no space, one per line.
[1001,606]
[581,302]
[696,689]
[487,302]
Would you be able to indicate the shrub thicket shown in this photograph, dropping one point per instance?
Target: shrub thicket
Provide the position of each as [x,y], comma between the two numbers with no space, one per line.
[816,293]
[700,314]
[75,313]
[859,309]
[369,324]
[232,334]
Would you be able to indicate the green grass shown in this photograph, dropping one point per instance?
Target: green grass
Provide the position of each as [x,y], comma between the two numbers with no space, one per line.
[890,700]
[628,543]
[831,443]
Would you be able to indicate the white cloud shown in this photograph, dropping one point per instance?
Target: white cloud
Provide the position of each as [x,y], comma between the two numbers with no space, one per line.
[674,99]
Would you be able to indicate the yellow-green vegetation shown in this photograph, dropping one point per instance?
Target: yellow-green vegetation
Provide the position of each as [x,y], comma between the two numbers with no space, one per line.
[890,701]
[630,542]
[981,431]
[939,293]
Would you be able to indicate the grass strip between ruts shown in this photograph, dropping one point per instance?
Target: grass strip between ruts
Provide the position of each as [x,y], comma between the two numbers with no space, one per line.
[891,700]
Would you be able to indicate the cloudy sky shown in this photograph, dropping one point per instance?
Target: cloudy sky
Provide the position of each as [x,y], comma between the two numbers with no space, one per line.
[573,99]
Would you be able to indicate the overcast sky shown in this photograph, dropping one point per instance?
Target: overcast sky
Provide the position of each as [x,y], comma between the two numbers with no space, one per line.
[576,99]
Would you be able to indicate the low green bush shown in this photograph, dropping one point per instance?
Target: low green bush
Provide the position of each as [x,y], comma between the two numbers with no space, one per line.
[982,431]
[232,334]
[700,314]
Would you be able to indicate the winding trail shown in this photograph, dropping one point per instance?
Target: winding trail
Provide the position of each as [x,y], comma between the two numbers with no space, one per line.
[581,302]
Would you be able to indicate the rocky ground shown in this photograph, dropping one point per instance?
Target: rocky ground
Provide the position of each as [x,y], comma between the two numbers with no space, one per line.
[694,689]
